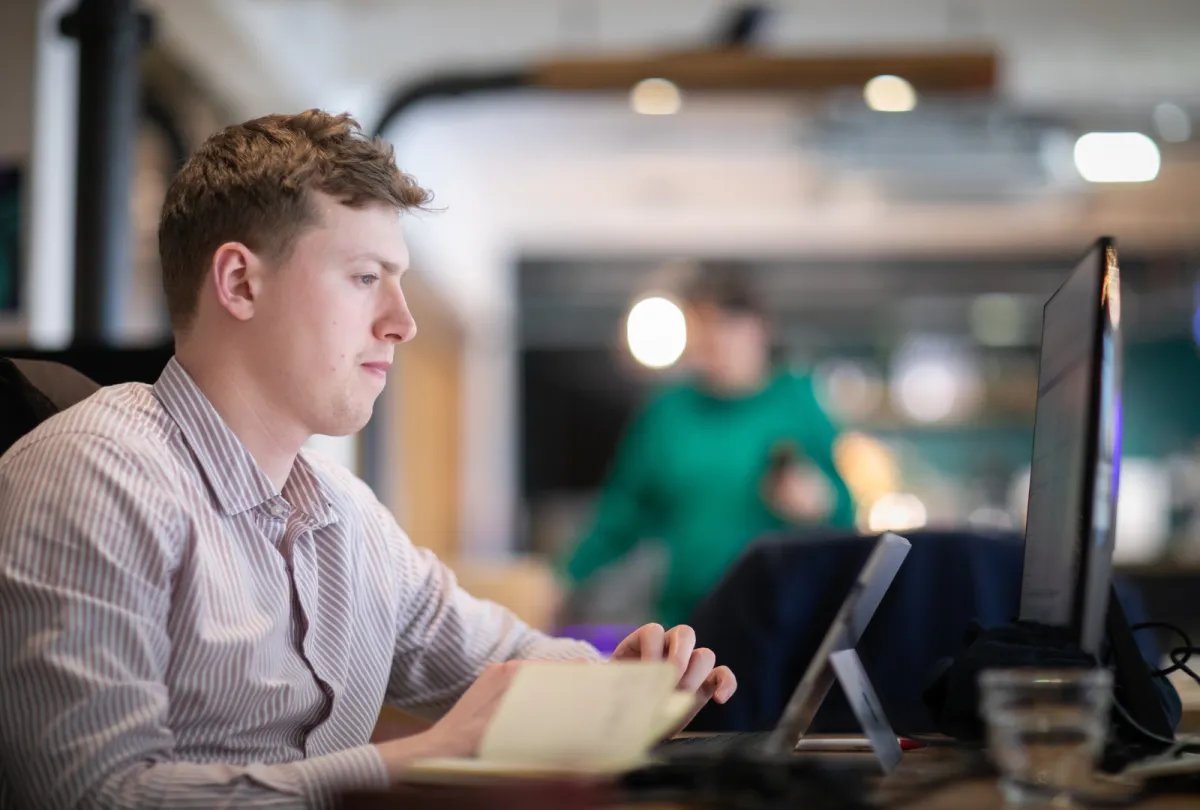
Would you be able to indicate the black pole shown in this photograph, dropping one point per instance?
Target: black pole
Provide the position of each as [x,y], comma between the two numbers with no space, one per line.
[110,34]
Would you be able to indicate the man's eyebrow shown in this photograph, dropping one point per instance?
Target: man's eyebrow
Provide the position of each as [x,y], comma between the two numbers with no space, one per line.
[388,266]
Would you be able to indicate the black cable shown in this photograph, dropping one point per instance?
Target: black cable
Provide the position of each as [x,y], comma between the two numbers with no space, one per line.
[1179,655]
[1145,732]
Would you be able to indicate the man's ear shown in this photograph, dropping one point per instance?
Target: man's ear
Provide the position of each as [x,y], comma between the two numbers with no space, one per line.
[236,276]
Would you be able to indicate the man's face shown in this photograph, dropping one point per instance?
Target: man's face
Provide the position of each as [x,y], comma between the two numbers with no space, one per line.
[730,350]
[330,315]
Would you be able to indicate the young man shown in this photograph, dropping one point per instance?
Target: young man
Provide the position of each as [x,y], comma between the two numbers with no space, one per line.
[194,611]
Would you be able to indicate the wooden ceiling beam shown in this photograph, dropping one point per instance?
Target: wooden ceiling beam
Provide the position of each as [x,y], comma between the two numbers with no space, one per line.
[929,71]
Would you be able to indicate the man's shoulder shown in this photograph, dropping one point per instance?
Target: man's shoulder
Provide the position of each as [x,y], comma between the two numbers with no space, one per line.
[794,382]
[127,416]
[667,399]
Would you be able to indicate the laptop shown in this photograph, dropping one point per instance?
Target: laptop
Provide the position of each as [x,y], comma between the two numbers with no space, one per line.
[835,660]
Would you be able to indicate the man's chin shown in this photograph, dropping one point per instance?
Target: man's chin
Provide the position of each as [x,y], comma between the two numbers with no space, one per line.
[346,424]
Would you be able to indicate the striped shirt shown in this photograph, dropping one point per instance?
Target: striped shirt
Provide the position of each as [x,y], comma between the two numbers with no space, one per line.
[174,632]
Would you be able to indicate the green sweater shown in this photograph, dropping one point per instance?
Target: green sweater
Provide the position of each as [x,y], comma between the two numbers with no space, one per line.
[688,475]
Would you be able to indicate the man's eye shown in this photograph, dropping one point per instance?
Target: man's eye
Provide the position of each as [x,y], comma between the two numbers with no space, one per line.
[368,279]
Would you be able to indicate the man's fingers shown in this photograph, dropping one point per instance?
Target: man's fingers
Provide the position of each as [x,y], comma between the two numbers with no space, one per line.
[699,667]
[681,641]
[723,684]
[650,642]
[643,644]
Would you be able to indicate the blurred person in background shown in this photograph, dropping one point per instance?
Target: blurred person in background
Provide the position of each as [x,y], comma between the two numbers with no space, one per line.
[737,449]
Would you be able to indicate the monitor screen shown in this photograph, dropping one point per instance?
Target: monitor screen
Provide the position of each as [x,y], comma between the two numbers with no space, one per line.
[1076,452]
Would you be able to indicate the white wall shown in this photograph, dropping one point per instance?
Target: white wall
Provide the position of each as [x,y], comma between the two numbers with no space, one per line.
[37,134]
[51,257]
[471,263]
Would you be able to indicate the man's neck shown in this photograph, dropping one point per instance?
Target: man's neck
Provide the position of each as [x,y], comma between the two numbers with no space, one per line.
[740,386]
[251,417]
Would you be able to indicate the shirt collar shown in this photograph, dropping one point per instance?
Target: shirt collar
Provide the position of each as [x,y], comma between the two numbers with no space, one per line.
[234,477]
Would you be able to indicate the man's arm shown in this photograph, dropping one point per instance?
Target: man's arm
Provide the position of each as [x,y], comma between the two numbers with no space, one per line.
[622,517]
[457,654]
[86,556]
[446,637]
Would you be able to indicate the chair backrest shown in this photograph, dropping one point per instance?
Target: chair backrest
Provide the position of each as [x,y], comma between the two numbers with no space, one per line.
[32,391]
[768,615]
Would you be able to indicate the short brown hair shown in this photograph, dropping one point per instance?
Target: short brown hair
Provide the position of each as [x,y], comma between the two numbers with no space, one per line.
[726,285]
[253,183]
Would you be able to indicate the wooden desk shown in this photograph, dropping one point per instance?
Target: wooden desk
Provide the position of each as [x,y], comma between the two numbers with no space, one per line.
[984,796]
[927,779]
[928,767]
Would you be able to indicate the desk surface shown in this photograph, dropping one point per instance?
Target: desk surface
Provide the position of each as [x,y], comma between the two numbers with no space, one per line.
[919,782]
[927,779]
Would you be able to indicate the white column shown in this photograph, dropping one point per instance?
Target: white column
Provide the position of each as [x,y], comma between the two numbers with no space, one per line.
[50,256]
[467,260]
[490,487]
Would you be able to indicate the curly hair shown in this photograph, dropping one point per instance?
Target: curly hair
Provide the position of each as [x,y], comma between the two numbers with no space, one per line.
[253,183]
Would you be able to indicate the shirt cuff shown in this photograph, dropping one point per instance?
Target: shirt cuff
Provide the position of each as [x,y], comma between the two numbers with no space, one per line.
[561,649]
[326,778]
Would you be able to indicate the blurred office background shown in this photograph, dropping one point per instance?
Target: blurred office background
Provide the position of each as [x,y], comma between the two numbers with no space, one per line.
[908,179]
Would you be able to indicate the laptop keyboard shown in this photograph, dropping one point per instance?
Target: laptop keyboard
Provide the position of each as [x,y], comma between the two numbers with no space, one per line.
[739,742]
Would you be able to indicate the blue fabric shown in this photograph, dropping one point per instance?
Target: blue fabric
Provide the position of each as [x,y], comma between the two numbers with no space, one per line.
[768,615]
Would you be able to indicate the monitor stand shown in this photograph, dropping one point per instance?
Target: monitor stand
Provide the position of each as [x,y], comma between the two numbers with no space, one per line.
[848,668]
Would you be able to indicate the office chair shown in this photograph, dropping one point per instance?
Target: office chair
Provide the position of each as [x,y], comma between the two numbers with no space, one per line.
[32,391]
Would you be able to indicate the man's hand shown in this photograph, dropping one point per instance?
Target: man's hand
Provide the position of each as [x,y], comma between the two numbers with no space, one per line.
[696,667]
[799,493]
[460,731]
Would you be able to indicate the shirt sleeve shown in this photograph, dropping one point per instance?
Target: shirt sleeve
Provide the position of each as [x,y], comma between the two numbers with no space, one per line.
[446,637]
[87,534]
[623,516]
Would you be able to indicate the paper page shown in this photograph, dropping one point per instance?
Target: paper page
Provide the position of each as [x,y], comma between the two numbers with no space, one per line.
[670,716]
[583,716]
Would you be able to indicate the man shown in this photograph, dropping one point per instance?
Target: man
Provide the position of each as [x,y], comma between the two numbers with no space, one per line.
[194,611]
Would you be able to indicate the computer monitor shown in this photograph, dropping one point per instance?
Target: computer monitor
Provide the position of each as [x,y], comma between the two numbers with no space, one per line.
[1074,477]
[1076,452]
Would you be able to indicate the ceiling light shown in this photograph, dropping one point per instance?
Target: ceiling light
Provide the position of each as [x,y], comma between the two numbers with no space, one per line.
[1117,157]
[656,331]
[655,97]
[890,94]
